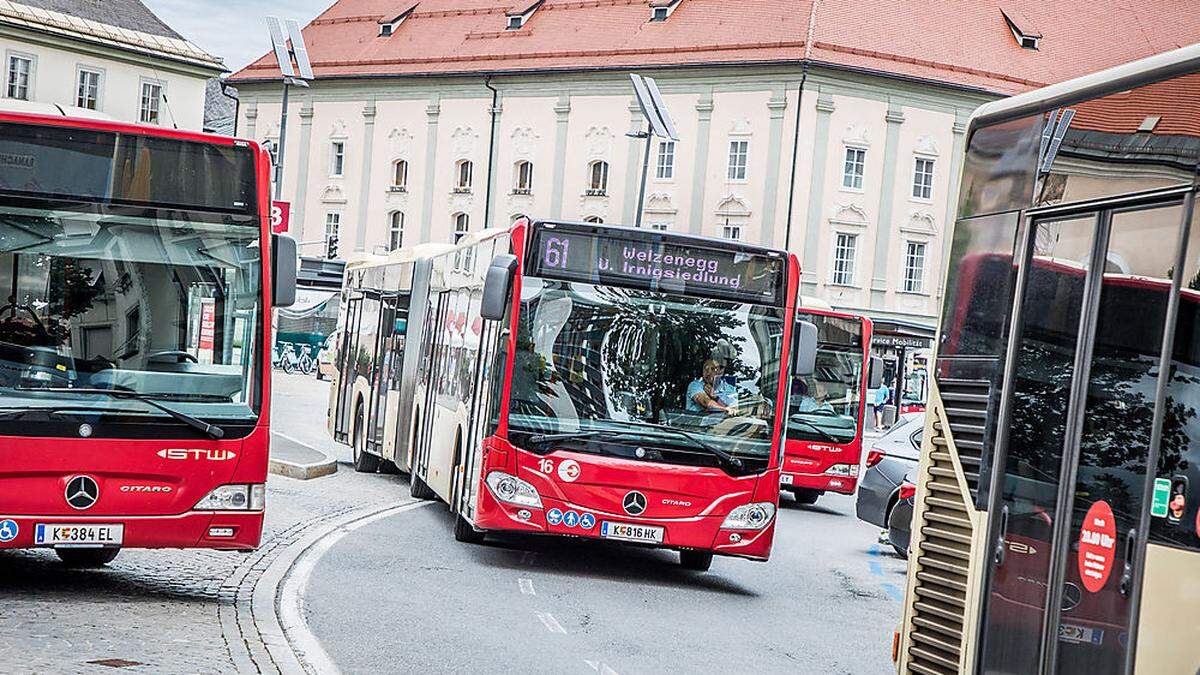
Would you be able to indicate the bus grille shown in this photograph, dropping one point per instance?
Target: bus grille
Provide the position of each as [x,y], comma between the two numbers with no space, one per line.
[967,406]
[938,595]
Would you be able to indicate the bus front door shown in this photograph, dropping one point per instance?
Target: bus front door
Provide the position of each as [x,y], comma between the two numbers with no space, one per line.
[1067,496]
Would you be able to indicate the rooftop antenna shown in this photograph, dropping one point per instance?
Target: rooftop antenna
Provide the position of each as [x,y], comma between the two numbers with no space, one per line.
[658,123]
[284,53]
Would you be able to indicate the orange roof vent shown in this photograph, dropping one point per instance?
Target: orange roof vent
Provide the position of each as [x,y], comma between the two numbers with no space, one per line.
[1023,30]
[517,19]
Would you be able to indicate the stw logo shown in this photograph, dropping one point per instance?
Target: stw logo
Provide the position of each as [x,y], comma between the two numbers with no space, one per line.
[212,455]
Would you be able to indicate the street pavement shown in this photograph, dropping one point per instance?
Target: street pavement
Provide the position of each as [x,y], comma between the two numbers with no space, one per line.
[171,611]
[398,594]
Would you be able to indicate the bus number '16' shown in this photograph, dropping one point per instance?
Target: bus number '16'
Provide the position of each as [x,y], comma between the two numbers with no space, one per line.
[556,252]
[546,466]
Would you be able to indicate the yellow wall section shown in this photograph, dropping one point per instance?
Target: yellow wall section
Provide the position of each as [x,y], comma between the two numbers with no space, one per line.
[1169,630]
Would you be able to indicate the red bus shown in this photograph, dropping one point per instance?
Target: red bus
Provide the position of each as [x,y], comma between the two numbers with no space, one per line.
[604,382]
[825,413]
[135,268]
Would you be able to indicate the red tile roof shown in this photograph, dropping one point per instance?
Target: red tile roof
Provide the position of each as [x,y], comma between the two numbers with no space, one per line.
[958,42]
[1173,101]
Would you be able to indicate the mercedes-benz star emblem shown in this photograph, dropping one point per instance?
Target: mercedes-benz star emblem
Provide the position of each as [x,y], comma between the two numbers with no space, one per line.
[634,503]
[82,492]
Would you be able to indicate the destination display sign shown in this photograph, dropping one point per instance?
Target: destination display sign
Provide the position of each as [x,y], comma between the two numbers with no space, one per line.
[102,166]
[625,259]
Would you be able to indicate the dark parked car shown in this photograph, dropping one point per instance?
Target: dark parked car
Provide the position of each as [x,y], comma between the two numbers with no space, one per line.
[888,460]
[900,517]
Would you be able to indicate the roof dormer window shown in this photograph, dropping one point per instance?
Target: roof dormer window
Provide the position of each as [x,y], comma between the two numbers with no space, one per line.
[661,9]
[1022,28]
[388,27]
[518,19]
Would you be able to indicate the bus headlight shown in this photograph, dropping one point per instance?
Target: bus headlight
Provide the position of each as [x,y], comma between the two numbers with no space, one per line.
[754,516]
[512,490]
[238,497]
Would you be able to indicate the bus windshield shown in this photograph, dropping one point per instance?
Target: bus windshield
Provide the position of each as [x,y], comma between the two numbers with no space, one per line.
[825,406]
[647,365]
[122,299]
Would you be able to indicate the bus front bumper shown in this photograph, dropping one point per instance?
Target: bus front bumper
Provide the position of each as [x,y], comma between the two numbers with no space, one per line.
[226,530]
[700,533]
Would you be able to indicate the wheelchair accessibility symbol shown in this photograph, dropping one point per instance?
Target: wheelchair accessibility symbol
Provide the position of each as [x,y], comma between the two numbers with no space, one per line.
[8,530]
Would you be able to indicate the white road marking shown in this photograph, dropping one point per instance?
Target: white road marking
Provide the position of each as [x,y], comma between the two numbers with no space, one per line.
[527,586]
[551,623]
[291,592]
[600,667]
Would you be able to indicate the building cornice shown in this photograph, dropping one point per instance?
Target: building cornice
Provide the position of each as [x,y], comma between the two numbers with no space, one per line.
[106,49]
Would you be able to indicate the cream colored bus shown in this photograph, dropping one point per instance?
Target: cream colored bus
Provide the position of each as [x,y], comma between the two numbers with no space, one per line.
[1056,525]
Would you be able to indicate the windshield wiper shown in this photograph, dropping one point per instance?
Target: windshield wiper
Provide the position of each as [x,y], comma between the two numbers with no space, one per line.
[542,439]
[51,411]
[212,430]
[720,454]
[820,432]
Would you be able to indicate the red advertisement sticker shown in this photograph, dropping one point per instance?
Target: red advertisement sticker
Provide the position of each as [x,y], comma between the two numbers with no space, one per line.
[1097,546]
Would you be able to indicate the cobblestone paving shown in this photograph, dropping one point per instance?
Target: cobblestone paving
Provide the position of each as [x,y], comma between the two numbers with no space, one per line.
[175,611]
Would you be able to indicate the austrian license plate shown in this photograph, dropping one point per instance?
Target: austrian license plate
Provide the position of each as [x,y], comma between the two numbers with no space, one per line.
[1080,634]
[627,532]
[786,479]
[69,534]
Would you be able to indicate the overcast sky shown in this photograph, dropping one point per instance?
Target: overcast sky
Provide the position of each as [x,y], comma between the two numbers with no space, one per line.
[232,29]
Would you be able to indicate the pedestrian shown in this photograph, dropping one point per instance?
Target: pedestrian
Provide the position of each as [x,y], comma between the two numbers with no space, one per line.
[879,399]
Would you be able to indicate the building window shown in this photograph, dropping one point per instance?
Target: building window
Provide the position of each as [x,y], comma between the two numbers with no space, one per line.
[399,175]
[152,95]
[738,151]
[923,179]
[87,94]
[844,253]
[914,267]
[731,231]
[463,170]
[462,225]
[20,74]
[852,174]
[598,178]
[664,168]
[337,159]
[395,230]
[660,226]
[333,223]
[522,177]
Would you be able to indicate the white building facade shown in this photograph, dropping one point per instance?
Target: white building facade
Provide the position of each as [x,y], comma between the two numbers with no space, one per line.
[403,163]
[134,69]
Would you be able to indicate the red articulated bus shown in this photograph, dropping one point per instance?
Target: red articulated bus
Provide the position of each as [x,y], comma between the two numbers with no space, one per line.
[825,414]
[597,381]
[135,304]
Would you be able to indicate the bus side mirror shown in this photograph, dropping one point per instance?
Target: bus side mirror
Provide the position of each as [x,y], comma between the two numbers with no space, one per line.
[875,372]
[805,358]
[497,287]
[283,270]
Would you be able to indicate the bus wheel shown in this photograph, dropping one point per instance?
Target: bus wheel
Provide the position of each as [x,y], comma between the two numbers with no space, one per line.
[697,561]
[464,532]
[364,462]
[806,496]
[419,488]
[86,557]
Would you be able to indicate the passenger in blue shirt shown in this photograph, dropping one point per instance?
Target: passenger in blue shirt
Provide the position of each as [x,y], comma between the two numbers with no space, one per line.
[711,393]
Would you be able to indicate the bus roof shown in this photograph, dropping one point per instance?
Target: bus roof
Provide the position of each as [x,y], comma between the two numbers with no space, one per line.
[400,255]
[1112,80]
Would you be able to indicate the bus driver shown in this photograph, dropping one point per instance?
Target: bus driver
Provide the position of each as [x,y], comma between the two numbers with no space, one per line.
[711,393]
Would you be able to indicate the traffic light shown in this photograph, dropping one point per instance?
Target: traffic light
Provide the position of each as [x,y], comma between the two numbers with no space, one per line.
[331,247]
